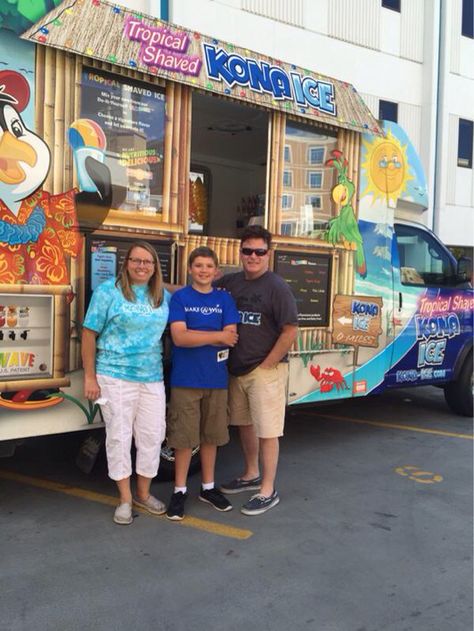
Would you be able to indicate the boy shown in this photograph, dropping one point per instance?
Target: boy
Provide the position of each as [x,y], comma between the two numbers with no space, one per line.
[203,323]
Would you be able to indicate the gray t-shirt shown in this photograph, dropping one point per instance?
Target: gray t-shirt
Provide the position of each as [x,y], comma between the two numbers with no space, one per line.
[265,305]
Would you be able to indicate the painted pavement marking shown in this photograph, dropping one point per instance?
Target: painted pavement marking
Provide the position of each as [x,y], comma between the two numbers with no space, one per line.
[418,475]
[408,428]
[190,522]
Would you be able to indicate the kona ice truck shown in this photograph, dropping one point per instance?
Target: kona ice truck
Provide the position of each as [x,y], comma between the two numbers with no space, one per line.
[115,126]
[408,320]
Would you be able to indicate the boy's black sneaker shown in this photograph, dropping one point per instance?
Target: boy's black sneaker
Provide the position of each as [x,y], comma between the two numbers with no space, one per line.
[216,499]
[175,510]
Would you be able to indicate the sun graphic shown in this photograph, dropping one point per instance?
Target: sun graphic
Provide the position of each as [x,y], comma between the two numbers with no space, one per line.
[386,167]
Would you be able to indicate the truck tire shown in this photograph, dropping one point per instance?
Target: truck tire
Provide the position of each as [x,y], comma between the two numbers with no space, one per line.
[459,393]
[166,469]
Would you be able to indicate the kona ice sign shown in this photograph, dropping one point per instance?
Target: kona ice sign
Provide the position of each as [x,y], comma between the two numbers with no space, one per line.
[264,77]
[105,31]
[167,49]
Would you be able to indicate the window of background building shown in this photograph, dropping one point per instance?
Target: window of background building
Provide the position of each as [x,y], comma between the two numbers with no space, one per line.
[286,201]
[314,200]
[306,203]
[465,143]
[316,155]
[388,111]
[315,179]
[287,178]
[468,18]
[394,5]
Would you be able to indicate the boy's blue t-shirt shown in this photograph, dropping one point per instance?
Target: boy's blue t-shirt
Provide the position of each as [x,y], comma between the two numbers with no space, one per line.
[129,333]
[201,366]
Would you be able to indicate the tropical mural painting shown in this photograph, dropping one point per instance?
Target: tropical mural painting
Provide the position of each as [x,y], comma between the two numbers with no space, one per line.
[364,322]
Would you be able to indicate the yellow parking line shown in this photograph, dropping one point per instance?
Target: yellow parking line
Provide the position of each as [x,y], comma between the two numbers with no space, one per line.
[410,428]
[191,522]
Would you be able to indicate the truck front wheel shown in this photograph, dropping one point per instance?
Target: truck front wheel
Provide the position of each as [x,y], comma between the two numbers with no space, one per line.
[459,393]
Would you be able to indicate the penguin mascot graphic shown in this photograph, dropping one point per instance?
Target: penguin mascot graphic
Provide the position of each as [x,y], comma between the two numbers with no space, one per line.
[38,231]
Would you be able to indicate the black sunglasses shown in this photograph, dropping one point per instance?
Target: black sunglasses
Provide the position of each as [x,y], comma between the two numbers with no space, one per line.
[257,251]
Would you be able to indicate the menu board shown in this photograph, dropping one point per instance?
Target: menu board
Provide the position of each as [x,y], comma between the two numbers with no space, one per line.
[105,256]
[122,123]
[309,276]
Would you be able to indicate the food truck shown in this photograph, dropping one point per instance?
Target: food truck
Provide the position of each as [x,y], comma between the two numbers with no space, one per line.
[116,126]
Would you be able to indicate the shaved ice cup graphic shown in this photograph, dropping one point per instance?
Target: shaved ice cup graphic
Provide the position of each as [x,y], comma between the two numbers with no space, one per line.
[87,139]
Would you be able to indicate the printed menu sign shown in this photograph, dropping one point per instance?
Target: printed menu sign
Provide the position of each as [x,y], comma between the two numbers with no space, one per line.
[309,277]
[106,255]
[129,116]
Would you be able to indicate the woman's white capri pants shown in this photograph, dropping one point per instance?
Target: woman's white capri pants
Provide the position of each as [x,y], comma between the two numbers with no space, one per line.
[133,409]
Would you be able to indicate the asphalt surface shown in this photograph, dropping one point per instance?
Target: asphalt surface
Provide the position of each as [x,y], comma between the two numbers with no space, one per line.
[373,533]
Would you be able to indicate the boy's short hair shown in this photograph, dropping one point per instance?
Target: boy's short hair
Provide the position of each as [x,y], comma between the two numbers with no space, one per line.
[203,251]
[256,232]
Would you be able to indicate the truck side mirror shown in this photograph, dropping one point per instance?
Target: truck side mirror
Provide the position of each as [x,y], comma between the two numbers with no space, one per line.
[464,269]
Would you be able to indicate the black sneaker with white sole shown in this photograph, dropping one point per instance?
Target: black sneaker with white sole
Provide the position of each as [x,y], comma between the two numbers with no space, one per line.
[175,510]
[215,499]
[259,504]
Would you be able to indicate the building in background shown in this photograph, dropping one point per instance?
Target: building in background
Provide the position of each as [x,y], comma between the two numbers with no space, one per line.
[411,60]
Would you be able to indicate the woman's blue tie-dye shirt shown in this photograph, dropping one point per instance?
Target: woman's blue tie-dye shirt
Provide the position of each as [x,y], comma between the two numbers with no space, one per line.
[129,333]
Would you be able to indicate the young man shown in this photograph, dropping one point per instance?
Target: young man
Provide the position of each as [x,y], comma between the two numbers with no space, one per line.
[203,324]
[258,367]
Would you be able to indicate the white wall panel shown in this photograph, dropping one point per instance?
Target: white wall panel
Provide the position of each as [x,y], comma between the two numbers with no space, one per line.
[451,159]
[315,15]
[281,10]
[463,187]
[355,21]
[411,35]
[466,58]
[390,29]
[409,117]
[455,43]
[372,103]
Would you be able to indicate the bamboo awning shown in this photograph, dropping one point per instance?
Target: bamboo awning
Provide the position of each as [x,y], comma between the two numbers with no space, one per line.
[100,30]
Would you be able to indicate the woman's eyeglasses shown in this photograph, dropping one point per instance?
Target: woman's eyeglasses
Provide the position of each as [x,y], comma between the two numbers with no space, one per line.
[250,251]
[144,262]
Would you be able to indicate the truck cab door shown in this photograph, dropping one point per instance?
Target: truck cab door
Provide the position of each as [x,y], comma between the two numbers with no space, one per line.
[426,325]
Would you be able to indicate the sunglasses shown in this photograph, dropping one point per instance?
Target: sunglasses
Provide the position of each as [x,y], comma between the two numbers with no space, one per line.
[250,251]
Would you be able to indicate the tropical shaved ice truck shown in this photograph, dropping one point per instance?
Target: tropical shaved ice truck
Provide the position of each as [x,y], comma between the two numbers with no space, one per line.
[408,317]
[115,126]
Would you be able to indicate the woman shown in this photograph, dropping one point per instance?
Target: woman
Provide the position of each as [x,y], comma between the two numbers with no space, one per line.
[121,353]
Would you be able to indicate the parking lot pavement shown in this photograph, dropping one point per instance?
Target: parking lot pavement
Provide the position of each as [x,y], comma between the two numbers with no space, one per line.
[373,533]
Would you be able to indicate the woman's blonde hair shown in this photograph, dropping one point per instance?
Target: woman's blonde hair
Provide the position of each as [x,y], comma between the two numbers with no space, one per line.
[155,284]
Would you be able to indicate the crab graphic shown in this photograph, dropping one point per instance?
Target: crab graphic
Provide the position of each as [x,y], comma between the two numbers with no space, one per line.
[329,378]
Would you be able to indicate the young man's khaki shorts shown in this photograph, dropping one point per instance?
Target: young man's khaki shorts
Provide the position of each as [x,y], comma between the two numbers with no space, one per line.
[196,416]
[259,399]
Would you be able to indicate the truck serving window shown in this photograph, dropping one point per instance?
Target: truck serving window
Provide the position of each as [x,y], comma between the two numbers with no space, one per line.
[423,260]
